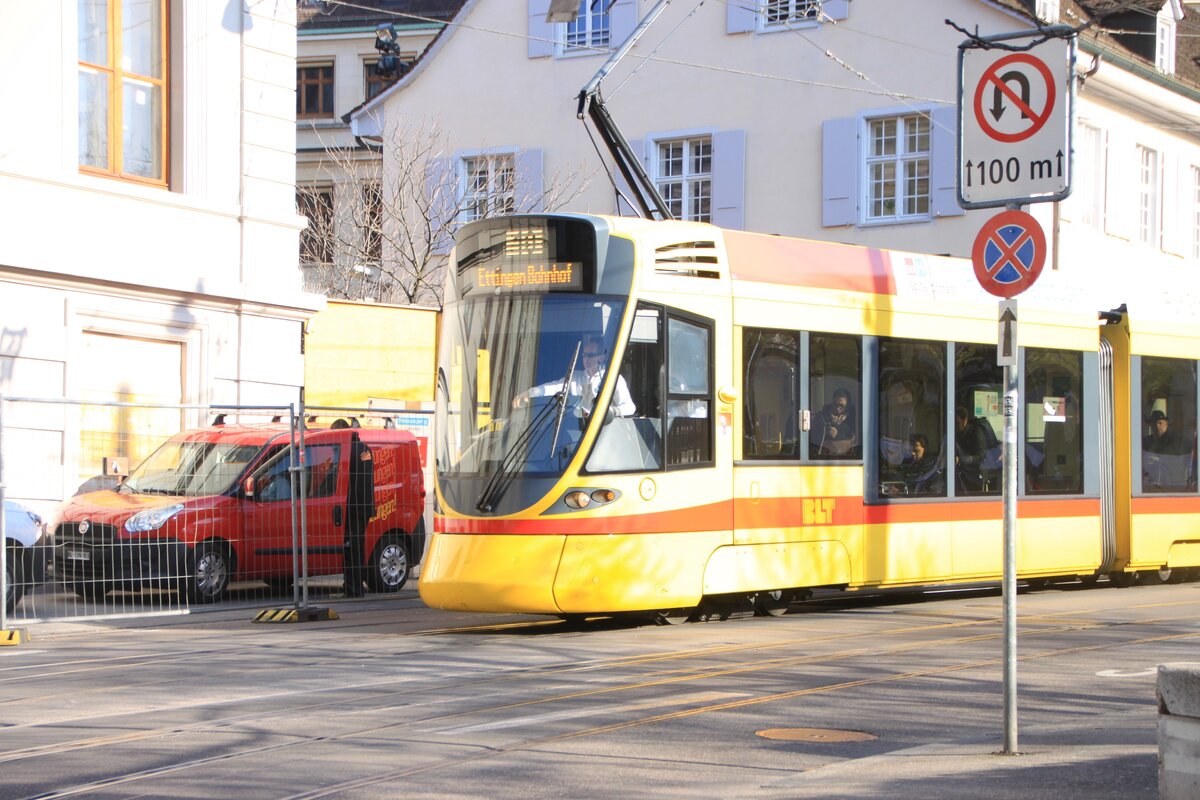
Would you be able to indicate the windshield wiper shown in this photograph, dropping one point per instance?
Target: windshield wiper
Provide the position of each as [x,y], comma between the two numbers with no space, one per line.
[501,479]
[562,396]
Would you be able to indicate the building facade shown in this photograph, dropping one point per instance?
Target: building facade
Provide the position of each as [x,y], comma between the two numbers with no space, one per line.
[825,119]
[148,231]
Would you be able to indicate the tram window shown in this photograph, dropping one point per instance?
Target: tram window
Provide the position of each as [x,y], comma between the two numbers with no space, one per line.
[689,392]
[631,444]
[835,392]
[912,435]
[978,421]
[771,405]
[1053,422]
[1168,425]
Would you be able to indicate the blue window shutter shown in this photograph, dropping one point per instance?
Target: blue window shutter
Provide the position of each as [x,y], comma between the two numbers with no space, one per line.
[839,171]
[741,16]
[529,187]
[836,9]
[541,33]
[622,19]
[729,179]
[943,167]
[441,185]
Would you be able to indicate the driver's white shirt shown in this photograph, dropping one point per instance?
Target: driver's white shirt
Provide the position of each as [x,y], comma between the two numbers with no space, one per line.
[587,387]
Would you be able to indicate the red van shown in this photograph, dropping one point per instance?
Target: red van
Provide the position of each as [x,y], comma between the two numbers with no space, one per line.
[213,505]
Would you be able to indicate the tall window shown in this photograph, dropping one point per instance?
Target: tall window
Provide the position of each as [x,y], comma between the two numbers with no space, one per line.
[912,418]
[683,170]
[1195,216]
[489,186]
[835,396]
[1047,11]
[1164,41]
[898,167]
[372,199]
[314,91]
[782,12]
[591,30]
[123,88]
[1088,175]
[1168,424]
[1054,435]
[771,360]
[316,241]
[1149,194]
[978,421]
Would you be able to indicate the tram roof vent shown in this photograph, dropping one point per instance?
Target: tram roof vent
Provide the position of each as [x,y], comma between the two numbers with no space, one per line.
[685,258]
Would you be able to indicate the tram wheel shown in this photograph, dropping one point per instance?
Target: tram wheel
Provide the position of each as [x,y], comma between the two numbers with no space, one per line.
[1123,579]
[772,604]
[1153,576]
[673,616]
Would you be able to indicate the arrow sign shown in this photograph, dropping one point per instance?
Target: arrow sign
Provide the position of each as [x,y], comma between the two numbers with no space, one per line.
[998,94]
[1006,349]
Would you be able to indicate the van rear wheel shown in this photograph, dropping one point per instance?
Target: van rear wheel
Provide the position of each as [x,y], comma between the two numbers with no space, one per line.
[389,565]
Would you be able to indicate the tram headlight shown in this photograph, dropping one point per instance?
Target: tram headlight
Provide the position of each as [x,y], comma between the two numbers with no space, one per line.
[585,498]
[577,499]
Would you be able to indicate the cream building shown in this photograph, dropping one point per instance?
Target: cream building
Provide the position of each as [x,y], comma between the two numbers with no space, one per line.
[148,232]
[825,119]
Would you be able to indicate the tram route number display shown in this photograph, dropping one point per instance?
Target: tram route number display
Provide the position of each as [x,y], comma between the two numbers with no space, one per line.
[1011,170]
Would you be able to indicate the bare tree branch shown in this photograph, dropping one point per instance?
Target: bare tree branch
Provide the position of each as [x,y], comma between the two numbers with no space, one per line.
[381,223]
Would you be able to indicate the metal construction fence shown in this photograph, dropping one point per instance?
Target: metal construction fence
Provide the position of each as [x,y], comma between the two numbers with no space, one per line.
[114,509]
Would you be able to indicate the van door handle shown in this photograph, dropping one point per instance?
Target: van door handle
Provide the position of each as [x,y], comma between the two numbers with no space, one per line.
[337,515]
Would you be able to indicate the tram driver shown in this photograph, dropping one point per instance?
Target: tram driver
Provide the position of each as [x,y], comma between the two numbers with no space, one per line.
[585,382]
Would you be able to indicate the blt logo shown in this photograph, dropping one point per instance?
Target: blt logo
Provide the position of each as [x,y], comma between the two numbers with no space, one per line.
[817,510]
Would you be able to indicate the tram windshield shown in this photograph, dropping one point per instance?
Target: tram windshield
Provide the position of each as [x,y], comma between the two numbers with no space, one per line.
[517,383]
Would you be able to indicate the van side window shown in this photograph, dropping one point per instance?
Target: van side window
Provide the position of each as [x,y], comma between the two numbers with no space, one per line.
[320,470]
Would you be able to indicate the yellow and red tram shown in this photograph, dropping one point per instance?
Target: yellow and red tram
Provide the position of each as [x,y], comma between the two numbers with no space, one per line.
[639,416]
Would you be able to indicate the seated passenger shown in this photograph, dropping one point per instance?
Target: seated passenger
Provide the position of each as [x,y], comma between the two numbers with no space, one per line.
[835,432]
[922,473]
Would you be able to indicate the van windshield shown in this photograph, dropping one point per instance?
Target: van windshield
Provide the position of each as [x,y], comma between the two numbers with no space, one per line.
[190,468]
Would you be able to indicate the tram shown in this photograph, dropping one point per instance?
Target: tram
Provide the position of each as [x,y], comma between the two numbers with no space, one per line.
[662,416]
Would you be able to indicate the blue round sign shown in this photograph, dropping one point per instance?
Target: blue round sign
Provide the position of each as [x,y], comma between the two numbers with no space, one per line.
[1009,253]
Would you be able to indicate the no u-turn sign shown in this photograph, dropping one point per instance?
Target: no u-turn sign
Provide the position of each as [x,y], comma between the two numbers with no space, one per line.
[1014,113]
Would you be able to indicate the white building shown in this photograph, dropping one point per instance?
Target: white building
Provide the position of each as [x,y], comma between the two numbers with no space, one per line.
[337,176]
[148,232]
[822,118]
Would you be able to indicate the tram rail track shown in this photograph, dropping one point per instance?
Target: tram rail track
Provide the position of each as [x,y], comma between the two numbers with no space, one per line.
[1060,623]
[529,743]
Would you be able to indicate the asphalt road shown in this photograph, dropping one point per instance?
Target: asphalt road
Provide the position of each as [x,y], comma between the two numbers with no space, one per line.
[896,696]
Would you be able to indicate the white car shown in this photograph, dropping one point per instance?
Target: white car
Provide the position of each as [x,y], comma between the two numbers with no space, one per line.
[26,562]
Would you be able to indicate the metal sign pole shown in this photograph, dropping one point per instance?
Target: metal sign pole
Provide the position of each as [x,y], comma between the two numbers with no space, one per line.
[1009,456]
